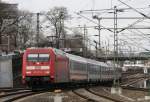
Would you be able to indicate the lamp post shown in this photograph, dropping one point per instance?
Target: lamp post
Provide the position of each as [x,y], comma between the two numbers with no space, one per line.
[38,29]
[96,47]
[8,42]
[62,17]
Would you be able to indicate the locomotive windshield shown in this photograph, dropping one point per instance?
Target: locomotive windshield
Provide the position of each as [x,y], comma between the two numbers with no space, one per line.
[43,57]
[38,57]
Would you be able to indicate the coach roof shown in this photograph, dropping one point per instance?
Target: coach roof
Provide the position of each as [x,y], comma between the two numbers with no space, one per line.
[76,58]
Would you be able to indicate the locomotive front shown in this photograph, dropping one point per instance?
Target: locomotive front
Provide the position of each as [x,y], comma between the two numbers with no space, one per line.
[36,67]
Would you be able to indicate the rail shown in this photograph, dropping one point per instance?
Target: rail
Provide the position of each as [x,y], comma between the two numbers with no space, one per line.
[11,95]
[100,96]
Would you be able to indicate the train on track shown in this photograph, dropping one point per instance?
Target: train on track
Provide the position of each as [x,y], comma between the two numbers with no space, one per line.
[42,66]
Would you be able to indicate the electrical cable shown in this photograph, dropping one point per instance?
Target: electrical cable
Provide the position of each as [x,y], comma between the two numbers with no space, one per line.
[144,15]
[135,43]
[92,21]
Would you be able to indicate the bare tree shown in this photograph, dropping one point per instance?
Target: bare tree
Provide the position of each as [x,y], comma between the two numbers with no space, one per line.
[8,18]
[26,30]
[56,16]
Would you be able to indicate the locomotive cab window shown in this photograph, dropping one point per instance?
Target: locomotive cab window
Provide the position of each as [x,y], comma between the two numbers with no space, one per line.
[32,57]
[38,57]
[44,57]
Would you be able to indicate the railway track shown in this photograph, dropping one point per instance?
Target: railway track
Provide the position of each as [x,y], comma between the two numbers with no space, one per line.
[84,97]
[136,89]
[12,89]
[14,93]
[104,96]
[132,82]
[130,87]
[88,94]
[12,96]
[91,96]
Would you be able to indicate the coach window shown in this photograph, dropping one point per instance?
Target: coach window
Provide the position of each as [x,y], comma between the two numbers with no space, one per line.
[84,66]
[77,67]
[103,70]
[71,65]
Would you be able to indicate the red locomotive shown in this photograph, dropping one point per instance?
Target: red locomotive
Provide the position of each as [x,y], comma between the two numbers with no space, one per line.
[51,66]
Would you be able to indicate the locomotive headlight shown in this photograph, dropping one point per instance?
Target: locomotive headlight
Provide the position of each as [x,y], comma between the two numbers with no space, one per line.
[47,72]
[45,67]
[28,72]
[30,67]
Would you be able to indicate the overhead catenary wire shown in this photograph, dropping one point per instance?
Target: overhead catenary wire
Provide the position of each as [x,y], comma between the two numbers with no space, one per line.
[144,16]
[111,9]
[127,44]
[109,29]
[121,3]
[93,21]
[134,23]
[141,34]
[135,43]
[141,13]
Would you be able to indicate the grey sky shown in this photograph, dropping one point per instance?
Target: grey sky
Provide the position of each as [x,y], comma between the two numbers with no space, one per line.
[73,5]
[77,5]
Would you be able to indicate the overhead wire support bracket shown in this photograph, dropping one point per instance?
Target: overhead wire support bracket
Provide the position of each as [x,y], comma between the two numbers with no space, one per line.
[93,21]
